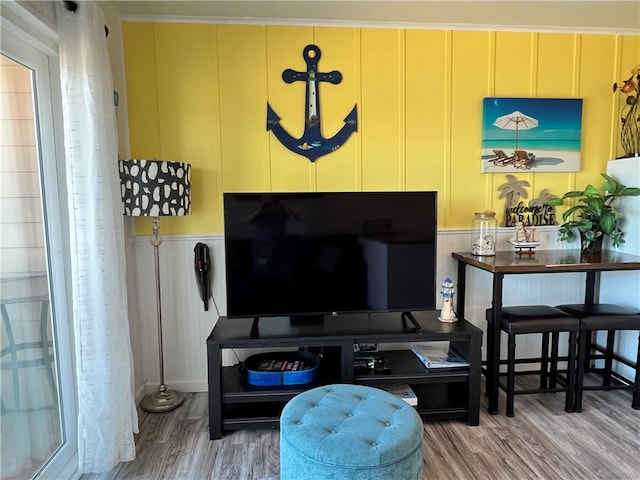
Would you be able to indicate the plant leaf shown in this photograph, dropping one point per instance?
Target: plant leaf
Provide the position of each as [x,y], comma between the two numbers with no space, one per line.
[595,205]
[612,186]
[573,194]
[608,222]
[591,191]
[569,212]
[588,235]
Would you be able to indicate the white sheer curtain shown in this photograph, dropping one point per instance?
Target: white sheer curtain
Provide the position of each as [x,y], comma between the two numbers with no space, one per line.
[107,417]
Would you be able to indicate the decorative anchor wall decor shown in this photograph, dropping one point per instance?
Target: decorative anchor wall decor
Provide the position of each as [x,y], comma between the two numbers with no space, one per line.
[312,144]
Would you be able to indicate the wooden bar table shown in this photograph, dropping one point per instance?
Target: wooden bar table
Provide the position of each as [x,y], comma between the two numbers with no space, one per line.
[542,261]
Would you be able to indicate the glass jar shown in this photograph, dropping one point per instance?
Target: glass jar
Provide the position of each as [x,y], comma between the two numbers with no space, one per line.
[484,233]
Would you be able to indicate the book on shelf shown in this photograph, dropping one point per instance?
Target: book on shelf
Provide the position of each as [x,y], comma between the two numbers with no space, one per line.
[438,357]
[404,392]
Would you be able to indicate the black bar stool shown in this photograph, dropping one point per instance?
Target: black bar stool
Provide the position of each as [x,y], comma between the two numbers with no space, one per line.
[544,319]
[612,318]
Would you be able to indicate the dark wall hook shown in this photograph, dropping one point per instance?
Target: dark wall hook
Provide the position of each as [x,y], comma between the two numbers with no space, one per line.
[71,6]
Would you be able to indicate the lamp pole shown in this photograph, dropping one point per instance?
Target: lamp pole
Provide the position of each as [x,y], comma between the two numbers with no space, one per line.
[162,400]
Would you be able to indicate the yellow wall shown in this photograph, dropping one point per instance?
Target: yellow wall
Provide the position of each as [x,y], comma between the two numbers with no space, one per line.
[198,93]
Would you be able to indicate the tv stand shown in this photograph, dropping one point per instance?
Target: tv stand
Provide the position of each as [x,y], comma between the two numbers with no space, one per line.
[409,316]
[443,393]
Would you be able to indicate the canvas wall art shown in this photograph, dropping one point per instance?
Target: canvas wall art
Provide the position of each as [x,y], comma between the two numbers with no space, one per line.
[531,134]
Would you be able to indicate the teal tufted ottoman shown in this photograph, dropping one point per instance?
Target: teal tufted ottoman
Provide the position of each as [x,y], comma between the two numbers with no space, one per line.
[350,432]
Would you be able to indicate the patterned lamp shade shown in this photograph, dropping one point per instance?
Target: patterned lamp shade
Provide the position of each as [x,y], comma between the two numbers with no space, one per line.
[155,188]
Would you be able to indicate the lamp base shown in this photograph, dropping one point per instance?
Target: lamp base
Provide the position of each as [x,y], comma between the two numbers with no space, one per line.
[162,401]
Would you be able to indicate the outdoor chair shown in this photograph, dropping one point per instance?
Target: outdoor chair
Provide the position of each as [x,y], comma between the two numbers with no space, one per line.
[521,159]
[501,158]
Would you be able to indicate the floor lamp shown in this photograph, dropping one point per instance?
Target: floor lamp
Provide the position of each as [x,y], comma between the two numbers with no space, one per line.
[154,188]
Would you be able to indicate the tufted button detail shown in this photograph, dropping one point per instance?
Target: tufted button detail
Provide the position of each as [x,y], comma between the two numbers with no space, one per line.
[349,431]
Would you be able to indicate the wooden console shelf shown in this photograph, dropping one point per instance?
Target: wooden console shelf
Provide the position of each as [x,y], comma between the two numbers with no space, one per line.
[443,393]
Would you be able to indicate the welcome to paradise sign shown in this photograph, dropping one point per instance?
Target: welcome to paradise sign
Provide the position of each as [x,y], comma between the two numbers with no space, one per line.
[535,213]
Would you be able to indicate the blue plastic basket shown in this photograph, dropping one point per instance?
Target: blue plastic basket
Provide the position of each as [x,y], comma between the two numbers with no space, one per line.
[258,377]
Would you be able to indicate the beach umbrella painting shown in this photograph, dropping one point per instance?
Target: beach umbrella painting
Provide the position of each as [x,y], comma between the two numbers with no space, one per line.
[516,121]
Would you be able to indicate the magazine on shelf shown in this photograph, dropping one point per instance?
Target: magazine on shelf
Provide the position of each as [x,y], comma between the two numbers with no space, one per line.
[438,357]
[402,391]
[282,366]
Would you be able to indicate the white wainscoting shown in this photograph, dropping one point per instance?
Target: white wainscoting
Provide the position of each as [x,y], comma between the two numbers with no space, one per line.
[186,325]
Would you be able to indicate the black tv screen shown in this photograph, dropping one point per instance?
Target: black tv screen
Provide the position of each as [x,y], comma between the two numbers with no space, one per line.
[300,254]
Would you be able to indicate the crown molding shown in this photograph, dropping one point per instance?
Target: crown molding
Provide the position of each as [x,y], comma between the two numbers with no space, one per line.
[371,24]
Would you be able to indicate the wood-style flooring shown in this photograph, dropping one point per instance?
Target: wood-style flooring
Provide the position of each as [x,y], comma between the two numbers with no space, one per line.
[540,442]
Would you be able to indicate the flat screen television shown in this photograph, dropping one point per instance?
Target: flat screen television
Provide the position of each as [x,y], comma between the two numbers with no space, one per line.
[313,254]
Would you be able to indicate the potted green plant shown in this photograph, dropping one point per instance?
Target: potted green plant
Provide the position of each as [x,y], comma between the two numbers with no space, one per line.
[594,214]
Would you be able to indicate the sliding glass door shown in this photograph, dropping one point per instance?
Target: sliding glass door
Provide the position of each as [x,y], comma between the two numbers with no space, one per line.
[37,411]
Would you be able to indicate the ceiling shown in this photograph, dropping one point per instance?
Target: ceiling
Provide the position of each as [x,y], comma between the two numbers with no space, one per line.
[608,16]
